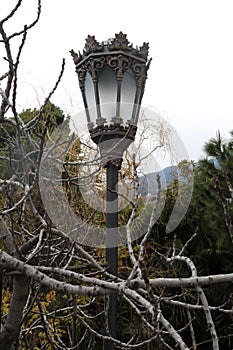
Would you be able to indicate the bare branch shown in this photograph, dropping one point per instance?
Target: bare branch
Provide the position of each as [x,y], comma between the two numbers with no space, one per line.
[11,14]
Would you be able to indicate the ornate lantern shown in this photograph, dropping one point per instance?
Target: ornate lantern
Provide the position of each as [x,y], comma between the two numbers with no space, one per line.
[112,77]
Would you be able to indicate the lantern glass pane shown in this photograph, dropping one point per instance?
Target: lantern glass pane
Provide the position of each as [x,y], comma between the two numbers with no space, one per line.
[108,93]
[90,96]
[128,92]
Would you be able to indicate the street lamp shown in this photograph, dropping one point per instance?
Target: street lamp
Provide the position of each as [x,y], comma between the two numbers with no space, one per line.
[112,77]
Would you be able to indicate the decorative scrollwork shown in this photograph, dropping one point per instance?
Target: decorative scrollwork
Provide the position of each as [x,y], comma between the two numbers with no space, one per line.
[140,73]
[94,66]
[119,64]
[120,42]
[82,72]
[92,45]
[144,50]
[77,57]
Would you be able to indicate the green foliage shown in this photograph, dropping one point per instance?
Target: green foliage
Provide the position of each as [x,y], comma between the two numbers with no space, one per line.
[16,144]
[211,251]
[211,193]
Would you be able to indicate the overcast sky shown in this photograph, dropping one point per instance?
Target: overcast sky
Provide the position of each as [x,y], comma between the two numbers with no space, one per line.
[190,80]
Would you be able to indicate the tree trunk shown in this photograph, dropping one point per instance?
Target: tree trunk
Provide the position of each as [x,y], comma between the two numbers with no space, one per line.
[9,337]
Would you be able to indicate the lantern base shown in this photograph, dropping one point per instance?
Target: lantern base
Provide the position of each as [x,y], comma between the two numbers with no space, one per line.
[113,140]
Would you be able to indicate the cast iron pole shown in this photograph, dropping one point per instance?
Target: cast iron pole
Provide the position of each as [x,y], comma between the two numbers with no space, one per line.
[0,300]
[111,244]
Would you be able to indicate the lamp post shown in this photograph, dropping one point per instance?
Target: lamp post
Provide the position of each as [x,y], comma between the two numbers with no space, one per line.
[112,77]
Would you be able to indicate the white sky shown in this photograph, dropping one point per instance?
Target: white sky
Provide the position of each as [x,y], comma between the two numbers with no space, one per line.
[191,42]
